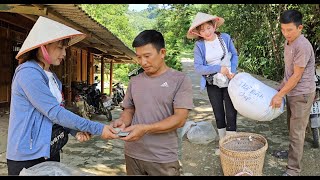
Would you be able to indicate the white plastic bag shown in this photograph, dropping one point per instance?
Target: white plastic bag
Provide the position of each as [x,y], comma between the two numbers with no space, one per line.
[251,98]
[52,168]
[199,132]
[222,80]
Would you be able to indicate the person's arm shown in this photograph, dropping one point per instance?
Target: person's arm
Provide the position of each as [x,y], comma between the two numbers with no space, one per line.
[182,103]
[234,57]
[168,124]
[39,95]
[280,86]
[126,116]
[177,120]
[125,119]
[291,83]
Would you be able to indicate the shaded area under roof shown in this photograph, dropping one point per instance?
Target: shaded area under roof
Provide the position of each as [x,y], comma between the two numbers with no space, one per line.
[99,39]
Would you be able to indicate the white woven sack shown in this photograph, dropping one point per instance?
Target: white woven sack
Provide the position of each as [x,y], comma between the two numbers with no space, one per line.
[251,98]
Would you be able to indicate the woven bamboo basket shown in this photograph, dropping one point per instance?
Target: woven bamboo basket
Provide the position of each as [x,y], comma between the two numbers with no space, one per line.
[242,154]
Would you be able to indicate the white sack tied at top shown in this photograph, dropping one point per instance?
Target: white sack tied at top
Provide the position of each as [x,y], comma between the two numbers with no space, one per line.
[251,98]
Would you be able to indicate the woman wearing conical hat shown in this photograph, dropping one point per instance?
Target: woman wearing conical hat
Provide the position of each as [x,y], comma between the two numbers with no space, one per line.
[36,99]
[216,60]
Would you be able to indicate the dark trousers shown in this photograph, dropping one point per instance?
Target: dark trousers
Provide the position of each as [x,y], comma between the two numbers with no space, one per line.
[224,112]
[14,167]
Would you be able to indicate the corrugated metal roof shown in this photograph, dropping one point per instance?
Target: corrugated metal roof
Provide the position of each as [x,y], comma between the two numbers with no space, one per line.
[98,36]
[74,13]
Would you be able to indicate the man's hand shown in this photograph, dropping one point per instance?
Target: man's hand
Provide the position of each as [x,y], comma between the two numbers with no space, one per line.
[136,132]
[83,136]
[276,101]
[109,133]
[118,124]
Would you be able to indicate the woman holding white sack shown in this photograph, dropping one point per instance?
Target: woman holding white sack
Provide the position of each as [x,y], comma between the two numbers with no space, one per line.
[216,60]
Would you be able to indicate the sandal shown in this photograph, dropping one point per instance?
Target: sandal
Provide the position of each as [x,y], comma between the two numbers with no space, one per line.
[282,154]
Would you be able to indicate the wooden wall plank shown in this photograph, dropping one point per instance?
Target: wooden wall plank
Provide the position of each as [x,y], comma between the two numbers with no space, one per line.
[84,67]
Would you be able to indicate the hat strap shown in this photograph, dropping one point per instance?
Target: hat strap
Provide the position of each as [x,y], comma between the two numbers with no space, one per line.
[46,55]
[197,34]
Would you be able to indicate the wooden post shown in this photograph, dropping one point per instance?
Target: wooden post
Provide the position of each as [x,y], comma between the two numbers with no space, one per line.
[89,68]
[84,67]
[110,75]
[102,74]
[69,72]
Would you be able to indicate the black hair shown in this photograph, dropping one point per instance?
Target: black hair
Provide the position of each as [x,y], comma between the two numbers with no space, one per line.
[32,55]
[149,37]
[291,16]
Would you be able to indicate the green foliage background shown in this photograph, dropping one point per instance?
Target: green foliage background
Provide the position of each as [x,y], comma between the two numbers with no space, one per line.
[255,30]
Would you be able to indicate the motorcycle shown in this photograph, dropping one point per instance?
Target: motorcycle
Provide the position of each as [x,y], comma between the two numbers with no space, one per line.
[118,93]
[80,100]
[90,101]
[314,118]
[135,72]
[84,109]
[108,103]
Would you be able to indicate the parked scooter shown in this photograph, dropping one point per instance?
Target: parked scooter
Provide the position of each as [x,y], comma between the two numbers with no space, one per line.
[108,103]
[94,100]
[315,112]
[135,72]
[118,93]
[80,100]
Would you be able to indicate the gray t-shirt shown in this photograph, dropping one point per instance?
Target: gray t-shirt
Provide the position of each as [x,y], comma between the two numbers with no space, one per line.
[300,53]
[154,99]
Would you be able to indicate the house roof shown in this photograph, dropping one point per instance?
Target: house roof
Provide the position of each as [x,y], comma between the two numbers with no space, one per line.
[98,36]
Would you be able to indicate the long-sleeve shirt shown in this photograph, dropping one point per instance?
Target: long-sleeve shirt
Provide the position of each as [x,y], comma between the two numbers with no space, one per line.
[33,111]
[200,63]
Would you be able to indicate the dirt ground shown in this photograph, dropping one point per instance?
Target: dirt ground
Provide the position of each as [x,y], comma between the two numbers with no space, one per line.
[106,158]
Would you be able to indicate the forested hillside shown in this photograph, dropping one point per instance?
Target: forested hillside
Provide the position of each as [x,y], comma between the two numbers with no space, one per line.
[255,29]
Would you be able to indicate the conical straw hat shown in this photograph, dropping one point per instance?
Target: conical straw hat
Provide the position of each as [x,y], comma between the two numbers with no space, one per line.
[200,19]
[46,31]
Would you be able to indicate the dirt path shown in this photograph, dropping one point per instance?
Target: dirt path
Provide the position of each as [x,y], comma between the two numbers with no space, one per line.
[106,158]
[202,160]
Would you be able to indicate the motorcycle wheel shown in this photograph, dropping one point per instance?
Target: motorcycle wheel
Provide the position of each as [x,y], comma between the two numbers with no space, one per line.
[85,112]
[315,134]
[119,99]
[108,114]
[105,111]
[115,101]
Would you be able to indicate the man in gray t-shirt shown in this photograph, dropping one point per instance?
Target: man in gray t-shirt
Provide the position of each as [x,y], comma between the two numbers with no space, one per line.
[298,85]
[157,102]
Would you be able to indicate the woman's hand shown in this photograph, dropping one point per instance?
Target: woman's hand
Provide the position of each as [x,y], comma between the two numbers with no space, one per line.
[83,136]
[231,75]
[224,70]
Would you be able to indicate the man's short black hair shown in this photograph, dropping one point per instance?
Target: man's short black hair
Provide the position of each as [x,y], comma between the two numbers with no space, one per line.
[291,16]
[149,37]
